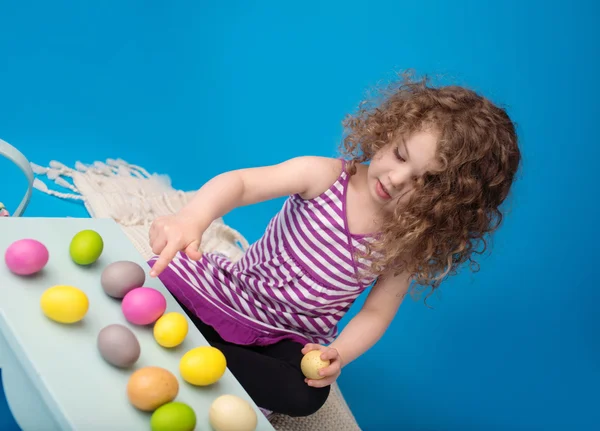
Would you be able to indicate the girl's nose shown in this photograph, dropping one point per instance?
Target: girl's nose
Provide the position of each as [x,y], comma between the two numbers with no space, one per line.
[399,178]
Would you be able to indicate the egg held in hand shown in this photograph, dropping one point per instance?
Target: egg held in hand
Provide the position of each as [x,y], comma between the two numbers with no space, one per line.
[311,364]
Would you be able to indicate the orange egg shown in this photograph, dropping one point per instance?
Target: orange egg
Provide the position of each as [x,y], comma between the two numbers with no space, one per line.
[151,387]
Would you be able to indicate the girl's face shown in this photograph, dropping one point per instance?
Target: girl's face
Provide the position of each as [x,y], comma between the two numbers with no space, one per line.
[394,168]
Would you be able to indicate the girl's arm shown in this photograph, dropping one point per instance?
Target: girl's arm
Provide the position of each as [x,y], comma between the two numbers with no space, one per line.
[364,330]
[371,322]
[307,176]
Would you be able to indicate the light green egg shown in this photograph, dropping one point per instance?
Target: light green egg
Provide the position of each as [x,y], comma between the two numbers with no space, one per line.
[86,247]
[173,416]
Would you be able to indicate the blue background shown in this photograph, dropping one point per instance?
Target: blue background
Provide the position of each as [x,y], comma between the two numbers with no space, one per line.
[191,89]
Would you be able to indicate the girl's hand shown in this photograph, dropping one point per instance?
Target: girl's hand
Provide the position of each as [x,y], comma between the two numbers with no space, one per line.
[331,372]
[171,234]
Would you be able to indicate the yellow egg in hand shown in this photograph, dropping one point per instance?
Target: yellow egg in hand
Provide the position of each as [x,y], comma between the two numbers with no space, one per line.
[170,329]
[311,364]
[202,366]
[64,304]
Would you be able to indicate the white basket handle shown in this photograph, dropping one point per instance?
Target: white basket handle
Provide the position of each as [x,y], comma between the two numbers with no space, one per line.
[15,156]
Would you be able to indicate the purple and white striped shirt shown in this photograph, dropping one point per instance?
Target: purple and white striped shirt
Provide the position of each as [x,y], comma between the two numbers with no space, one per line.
[296,282]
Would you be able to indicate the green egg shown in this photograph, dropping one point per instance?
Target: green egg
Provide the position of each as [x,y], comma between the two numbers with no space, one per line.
[86,247]
[173,416]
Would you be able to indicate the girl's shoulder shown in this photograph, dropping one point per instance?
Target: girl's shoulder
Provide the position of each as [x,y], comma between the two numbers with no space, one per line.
[324,172]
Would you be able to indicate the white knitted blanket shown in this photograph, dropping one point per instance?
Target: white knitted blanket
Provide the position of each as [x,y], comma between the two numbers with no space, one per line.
[133,198]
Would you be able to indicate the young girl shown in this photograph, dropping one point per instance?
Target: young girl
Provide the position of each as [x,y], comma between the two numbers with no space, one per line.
[421,186]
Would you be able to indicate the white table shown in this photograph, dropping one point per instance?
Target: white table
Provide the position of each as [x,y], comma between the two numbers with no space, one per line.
[53,374]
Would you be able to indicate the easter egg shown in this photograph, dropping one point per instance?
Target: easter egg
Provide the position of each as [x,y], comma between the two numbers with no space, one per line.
[119,278]
[150,387]
[311,364]
[202,366]
[143,305]
[232,413]
[174,416]
[118,345]
[170,329]
[86,247]
[26,256]
[64,304]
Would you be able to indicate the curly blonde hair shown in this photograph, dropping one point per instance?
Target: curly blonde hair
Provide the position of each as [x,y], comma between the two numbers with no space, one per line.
[454,208]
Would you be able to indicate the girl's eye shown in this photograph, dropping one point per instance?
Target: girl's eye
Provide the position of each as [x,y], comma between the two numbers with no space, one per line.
[397,154]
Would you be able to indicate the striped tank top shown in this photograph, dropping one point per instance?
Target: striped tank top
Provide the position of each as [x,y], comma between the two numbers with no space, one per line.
[296,282]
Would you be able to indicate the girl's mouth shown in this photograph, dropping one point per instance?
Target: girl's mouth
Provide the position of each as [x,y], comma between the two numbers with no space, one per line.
[381,191]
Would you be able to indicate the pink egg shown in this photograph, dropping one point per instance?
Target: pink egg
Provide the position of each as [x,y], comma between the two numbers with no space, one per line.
[143,305]
[26,256]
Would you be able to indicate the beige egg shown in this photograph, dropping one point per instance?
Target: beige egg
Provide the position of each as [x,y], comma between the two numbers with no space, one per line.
[311,364]
[232,413]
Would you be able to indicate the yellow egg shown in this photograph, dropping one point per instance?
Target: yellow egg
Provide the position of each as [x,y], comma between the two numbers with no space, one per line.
[311,364]
[171,329]
[202,366]
[64,304]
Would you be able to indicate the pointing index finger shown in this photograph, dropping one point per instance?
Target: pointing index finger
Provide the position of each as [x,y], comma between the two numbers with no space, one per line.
[165,257]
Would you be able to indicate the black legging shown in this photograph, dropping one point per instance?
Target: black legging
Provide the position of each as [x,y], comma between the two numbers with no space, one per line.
[270,374]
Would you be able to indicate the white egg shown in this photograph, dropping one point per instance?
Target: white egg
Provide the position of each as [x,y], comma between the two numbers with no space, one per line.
[232,413]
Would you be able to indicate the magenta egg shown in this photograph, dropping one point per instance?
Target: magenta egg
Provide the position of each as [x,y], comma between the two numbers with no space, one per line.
[143,305]
[26,256]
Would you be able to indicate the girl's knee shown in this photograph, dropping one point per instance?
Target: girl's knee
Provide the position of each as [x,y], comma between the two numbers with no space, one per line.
[308,400]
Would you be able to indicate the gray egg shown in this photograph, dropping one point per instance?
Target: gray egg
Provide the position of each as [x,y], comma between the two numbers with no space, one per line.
[120,277]
[118,345]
